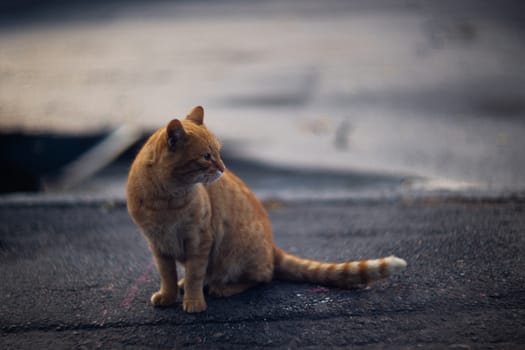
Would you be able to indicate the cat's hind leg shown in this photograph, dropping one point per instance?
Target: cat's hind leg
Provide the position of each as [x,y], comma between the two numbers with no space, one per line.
[180,284]
[224,291]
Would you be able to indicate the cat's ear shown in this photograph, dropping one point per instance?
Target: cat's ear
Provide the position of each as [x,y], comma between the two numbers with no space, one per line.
[196,115]
[176,136]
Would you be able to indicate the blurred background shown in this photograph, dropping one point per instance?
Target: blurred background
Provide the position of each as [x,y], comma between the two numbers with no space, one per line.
[311,99]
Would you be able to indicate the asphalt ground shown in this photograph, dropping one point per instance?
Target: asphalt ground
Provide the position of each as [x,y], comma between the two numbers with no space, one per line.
[80,276]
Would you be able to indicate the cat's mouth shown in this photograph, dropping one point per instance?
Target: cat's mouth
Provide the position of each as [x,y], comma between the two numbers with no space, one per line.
[208,177]
[212,177]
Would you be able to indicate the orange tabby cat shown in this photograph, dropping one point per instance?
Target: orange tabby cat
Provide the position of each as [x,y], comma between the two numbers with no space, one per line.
[194,211]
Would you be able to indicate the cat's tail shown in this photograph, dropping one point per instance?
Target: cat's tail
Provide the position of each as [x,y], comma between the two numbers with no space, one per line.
[348,274]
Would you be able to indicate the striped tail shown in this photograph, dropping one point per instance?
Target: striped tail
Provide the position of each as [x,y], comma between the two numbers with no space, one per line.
[343,275]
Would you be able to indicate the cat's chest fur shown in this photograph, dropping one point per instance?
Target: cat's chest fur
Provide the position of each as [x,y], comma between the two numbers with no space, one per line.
[169,237]
[170,230]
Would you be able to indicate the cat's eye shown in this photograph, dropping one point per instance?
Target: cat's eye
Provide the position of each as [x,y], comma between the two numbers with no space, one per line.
[207,156]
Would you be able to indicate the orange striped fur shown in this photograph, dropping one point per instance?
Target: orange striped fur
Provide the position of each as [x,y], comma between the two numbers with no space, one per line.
[194,212]
[343,275]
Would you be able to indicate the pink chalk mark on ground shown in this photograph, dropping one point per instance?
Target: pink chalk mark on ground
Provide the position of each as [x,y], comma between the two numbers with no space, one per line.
[132,292]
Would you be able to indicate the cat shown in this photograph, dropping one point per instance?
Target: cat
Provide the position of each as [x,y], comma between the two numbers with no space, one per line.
[194,211]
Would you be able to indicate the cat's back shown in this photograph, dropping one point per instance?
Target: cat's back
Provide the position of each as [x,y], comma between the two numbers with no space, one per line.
[233,203]
[232,192]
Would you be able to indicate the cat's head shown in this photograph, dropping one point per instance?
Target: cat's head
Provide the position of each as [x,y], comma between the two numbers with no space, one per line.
[187,152]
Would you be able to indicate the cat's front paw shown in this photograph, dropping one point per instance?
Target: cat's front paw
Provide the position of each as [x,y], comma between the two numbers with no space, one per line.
[194,305]
[163,299]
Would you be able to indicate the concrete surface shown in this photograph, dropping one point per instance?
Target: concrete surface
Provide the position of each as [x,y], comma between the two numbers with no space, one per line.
[417,88]
[80,276]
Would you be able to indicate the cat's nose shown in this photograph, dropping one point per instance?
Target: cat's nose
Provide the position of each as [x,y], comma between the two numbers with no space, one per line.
[219,165]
